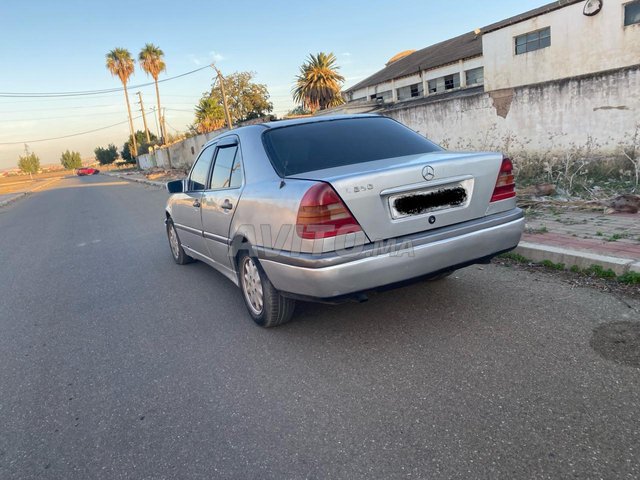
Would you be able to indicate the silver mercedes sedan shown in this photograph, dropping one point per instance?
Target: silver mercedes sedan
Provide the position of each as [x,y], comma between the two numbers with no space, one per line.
[330,208]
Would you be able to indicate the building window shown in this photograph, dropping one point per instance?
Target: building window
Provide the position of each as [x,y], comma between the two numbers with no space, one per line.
[385,96]
[533,41]
[475,76]
[442,84]
[632,13]
[410,91]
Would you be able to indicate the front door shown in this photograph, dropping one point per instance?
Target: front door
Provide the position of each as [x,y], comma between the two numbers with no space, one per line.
[186,212]
[221,199]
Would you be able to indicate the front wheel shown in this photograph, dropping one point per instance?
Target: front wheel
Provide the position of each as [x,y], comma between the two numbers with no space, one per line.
[178,253]
[266,305]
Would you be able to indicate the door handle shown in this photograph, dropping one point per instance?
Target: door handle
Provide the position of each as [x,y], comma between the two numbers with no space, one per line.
[196,203]
[227,205]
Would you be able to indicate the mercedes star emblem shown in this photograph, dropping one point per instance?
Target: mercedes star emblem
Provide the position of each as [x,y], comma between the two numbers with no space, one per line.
[428,173]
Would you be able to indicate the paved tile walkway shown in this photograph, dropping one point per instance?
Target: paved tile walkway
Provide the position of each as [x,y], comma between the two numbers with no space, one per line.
[616,235]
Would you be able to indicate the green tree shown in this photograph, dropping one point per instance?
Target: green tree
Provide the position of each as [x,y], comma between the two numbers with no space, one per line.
[108,155]
[299,110]
[121,65]
[246,100]
[29,162]
[318,84]
[209,115]
[151,59]
[71,160]
[144,146]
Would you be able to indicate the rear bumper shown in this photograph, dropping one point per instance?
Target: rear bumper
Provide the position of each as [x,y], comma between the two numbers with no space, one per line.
[325,276]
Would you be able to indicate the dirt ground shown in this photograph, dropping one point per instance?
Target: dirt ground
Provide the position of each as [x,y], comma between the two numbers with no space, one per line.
[621,290]
[23,183]
[162,175]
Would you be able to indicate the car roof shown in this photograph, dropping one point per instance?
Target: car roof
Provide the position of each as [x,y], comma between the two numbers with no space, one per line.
[288,123]
[327,118]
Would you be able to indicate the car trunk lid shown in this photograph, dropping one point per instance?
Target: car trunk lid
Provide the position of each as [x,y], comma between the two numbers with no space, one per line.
[399,196]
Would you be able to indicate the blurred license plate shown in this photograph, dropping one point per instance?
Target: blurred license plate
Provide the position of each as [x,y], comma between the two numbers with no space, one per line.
[425,201]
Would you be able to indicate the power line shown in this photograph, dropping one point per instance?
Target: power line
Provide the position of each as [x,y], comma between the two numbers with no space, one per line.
[76,107]
[91,92]
[70,135]
[59,116]
[174,129]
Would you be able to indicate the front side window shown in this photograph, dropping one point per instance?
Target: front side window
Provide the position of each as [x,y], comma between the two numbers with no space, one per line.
[533,41]
[227,170]
[200,171]
[632,13]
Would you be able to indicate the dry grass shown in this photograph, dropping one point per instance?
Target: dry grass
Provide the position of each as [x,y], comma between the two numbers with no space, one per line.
[22,183]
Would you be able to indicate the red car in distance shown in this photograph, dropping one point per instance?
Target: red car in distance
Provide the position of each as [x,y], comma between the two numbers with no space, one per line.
[81,172]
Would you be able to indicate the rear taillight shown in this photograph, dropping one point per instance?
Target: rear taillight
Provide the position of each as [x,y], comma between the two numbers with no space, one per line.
[323,214]
[505,185]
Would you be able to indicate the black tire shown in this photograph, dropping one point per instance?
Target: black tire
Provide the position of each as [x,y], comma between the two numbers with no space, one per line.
[177,252]
[266,305]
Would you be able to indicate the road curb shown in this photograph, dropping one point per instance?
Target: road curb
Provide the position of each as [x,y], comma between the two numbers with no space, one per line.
[7,201]
[538,252]
[138,180]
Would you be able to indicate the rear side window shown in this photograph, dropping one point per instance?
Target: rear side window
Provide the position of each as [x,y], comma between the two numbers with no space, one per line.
[200,171]
[334,143]
[227,171]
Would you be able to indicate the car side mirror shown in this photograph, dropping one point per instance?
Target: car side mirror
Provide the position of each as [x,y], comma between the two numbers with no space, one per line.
[175,186]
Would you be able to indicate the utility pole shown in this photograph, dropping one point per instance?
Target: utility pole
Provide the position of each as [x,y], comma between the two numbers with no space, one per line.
[164,130]
[134,144]
[153,110]
[144,117]
[224,97]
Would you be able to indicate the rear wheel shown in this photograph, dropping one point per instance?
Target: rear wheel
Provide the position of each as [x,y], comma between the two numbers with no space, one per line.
[266,305]
[178,253]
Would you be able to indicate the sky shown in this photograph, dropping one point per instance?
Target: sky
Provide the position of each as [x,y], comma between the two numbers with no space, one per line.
[60,46]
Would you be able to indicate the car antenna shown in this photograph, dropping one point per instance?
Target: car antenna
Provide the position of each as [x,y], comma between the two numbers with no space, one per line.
[284,174]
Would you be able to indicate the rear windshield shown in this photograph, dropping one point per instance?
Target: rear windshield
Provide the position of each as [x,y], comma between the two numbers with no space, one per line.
[314,146]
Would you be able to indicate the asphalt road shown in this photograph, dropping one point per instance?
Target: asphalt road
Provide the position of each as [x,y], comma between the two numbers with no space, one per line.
[116,363]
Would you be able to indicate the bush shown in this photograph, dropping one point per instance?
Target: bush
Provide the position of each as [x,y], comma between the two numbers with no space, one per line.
[71,160]
[106,156]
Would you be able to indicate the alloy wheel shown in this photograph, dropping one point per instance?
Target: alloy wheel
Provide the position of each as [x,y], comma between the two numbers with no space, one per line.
[173,241]
[252,286]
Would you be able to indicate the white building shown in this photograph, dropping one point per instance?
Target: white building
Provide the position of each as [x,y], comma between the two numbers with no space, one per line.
[563,39]
[449,65]
[563,78]
[570,40]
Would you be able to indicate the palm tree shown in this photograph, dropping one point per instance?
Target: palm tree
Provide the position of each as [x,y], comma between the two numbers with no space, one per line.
[210,115]
[318,84]
[152,62]
[120,64]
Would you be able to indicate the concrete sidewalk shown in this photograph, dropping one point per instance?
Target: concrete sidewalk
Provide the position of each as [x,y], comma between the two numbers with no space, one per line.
[8,198]
[582,239]
[135,177]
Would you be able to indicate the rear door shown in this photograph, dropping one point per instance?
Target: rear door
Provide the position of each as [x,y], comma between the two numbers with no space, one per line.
[186,207]
[219,202]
